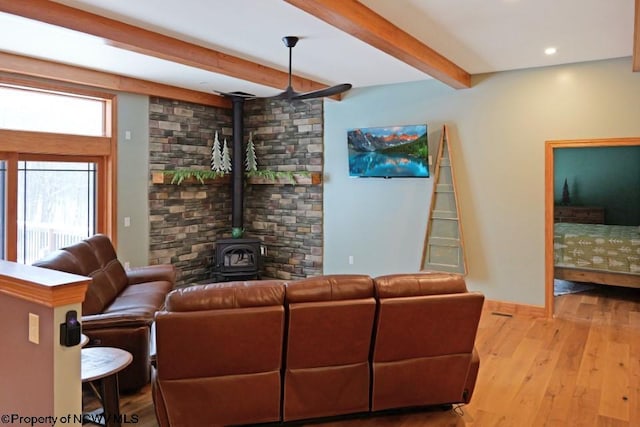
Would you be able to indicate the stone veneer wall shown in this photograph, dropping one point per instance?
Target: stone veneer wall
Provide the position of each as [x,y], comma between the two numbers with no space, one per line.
[186,220]
[288,136]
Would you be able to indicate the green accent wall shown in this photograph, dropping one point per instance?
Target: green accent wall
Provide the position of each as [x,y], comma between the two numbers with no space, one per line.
[601,176]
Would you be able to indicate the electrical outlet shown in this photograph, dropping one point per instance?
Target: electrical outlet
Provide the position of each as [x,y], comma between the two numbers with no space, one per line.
[127,134]
[34,328]
[350,259]
[127,266]
[127,221]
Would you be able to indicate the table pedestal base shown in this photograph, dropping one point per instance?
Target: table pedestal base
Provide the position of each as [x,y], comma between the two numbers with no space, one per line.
[106,390]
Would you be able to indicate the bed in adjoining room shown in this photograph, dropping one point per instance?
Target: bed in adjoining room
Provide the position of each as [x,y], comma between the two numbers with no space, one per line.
[597,253]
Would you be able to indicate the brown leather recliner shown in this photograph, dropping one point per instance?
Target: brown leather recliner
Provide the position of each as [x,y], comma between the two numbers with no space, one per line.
[220,357]
[330,319]
[219,354]
[424,341]
[119,305]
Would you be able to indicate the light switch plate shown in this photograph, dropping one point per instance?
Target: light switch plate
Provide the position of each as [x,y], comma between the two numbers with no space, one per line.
[34,328]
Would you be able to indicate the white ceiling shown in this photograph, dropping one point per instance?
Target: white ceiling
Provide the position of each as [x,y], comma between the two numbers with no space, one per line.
[478,35]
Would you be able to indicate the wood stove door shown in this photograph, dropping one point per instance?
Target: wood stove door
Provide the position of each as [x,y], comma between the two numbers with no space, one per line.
[238,258]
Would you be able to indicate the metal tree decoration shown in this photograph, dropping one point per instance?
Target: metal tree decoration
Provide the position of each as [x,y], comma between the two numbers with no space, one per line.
[250,157]
[216,157]
[226,158]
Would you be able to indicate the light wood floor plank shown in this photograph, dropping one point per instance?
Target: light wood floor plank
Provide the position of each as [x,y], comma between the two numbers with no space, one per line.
[614,400]
[556,406]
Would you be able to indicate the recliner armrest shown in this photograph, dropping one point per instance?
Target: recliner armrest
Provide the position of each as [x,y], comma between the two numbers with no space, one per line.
[115,320]
[152,273]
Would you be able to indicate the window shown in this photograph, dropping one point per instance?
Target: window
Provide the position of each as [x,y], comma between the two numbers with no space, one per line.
[57,169]
[56,206]
[46,111]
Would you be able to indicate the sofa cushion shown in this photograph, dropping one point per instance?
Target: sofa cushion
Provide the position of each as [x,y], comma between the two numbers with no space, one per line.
[62,260]
[94,257]
[418,284]
[98,260]
[141,299]
[426,325]
[327,346]
[330,288]
[224,295]
[219,354]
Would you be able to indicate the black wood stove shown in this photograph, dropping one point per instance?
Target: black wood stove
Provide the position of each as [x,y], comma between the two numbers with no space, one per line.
[237,258]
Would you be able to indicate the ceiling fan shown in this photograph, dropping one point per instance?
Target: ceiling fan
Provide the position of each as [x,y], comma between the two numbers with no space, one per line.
[289,93]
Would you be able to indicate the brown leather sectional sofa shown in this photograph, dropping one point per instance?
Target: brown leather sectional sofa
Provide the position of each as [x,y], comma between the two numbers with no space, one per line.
[120,305]
[271,351]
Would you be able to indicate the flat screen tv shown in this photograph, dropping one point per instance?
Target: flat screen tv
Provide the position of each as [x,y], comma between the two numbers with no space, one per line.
[389,152]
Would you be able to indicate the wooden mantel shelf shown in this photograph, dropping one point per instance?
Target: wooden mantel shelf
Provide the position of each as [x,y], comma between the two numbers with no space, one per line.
[311,178]
[163,178]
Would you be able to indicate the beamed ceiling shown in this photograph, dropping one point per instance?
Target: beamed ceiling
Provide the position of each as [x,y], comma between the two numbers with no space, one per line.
[194,49]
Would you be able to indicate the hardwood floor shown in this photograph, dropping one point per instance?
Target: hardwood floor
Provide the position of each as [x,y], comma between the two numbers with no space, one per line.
[581,368]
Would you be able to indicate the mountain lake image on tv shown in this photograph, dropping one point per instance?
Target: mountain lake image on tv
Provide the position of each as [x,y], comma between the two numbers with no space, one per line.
[388,152]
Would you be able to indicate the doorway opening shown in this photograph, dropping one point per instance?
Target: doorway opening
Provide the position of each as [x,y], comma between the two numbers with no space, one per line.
[576,269]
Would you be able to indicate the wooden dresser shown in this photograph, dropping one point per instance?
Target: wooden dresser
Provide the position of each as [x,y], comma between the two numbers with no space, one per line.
[580,214]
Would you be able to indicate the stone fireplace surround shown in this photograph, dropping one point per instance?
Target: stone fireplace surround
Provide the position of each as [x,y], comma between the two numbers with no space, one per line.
[186,220]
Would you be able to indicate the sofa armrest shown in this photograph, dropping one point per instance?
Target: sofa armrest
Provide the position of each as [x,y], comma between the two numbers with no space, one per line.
[114,320]
[152,273]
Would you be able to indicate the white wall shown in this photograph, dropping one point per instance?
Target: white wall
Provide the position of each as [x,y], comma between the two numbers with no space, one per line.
[133,179]
[497,130]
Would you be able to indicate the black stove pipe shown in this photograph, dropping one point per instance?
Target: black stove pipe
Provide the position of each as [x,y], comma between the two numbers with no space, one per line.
[237,165]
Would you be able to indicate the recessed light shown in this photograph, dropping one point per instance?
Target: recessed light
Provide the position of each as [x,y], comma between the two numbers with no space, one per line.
[550,51]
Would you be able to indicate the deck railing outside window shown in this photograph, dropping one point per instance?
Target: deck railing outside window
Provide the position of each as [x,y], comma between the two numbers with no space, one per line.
[43,239]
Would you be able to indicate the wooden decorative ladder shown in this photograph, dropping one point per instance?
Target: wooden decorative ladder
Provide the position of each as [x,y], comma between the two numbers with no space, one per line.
[444,246]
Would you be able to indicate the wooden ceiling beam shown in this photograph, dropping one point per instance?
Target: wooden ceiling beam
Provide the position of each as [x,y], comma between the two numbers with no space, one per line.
[636,38]
[147,42]
[363,23]
[22,65]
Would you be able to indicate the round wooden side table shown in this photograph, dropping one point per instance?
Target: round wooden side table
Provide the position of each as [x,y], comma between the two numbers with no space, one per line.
[100,367]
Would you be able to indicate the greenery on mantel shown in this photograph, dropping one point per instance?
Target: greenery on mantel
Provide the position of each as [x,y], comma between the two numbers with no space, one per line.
[179,175]
[200,175]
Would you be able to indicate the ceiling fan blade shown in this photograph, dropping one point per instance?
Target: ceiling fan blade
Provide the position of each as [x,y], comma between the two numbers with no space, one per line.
[329,91]
[288,93]
[237,94]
